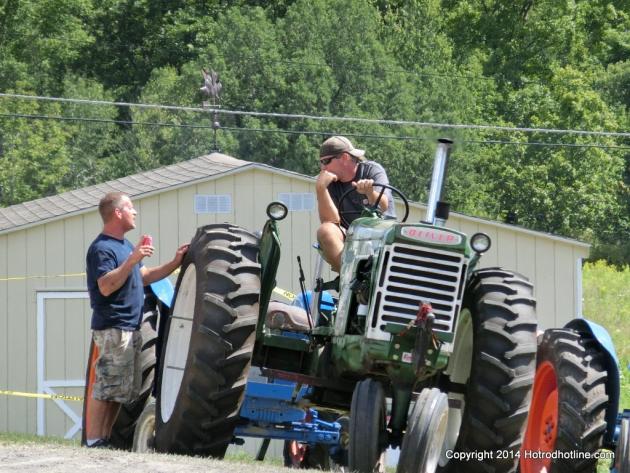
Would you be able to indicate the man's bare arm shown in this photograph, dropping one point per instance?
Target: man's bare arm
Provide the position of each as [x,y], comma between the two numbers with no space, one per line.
[113,280]
[156,273]
[325,205]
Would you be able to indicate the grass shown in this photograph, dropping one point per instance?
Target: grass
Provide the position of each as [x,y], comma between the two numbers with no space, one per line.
[245,457]
[14,437]
[606,293]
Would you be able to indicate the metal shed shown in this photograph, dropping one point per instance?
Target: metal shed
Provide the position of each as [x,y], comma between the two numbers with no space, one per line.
[44,310]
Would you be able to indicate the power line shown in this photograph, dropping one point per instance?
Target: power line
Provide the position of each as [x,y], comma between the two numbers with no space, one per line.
[304,132]
[327,133]
[373,121]
[100,120]
[417,138]
[542,143]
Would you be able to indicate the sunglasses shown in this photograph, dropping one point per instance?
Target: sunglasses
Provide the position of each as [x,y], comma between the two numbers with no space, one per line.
[327,160]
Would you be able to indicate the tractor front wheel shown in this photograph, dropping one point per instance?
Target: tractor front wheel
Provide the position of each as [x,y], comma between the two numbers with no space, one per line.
[424,436]
[622,455]
[368,431]
[144,434]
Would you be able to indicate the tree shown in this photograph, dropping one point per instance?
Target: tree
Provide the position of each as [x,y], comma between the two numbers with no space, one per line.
[521,64]
[33,153]
[568,190]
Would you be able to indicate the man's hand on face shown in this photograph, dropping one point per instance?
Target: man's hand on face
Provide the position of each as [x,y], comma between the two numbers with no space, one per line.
[324,179]
[364,186]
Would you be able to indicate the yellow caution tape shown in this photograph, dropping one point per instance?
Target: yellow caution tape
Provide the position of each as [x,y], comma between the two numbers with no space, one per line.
[42,396]
[24,278]
[284,293]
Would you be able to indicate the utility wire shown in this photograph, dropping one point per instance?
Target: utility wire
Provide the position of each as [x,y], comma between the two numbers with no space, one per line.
[324,118]
[304,132]
[418,138]
[542,143]
[100,120]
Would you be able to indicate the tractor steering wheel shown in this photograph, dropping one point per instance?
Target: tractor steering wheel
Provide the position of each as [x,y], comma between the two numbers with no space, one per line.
[343,213]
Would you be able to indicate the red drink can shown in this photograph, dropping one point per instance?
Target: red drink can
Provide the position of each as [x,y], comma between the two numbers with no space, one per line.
[147,240]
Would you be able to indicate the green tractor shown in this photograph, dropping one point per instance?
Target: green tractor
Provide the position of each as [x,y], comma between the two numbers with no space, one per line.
[420,349]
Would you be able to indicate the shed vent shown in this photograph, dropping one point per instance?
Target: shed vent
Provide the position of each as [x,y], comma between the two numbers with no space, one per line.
[213,204]
[298,201]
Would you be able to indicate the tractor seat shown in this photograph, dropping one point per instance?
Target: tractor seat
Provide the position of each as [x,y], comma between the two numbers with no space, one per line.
[282,316]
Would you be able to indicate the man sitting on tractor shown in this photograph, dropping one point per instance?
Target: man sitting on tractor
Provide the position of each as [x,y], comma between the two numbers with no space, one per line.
[344,167]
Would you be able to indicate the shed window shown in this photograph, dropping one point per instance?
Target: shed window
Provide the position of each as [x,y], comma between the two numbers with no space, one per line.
[298,201]
[213,204]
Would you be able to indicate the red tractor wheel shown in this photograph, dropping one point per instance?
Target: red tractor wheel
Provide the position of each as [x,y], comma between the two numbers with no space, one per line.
[294,453]
[568,405]
[542,427]
[302,456]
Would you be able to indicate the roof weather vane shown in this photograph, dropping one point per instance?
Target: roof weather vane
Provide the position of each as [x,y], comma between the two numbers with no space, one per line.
[212,88]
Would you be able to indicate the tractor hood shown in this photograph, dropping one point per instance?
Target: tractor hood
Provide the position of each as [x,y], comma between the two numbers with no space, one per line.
[389,231]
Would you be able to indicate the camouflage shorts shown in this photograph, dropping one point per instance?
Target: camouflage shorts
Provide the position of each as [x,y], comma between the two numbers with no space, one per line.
[118,370]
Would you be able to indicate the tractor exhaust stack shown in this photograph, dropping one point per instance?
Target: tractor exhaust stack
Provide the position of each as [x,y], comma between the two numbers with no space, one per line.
[437,179]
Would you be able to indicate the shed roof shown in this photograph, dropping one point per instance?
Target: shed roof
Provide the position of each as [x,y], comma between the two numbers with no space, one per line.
[160,179]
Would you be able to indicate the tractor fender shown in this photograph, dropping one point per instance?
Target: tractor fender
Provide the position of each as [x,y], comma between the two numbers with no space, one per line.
[163,290]
[605,343]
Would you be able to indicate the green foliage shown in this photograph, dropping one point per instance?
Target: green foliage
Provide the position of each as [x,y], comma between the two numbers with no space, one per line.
[89,144]
[35,159]
[547,185]
[46,36]
[8,438]
[544,64]
[607,302]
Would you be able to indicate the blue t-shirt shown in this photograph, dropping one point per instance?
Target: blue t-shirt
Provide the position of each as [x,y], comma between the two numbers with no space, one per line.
[122,308]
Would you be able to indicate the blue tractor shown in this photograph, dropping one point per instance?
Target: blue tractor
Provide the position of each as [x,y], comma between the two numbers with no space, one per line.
[271,409]
[575,404]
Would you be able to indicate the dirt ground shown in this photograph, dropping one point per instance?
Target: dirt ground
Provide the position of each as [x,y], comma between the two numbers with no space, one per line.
[49,458]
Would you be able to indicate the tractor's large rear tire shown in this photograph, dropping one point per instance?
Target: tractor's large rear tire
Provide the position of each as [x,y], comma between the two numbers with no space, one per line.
[568,405]
[208,344]
[368,430]
[498,391]
[122,431]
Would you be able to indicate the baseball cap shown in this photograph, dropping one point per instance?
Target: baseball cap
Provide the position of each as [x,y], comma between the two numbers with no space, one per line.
[339,144]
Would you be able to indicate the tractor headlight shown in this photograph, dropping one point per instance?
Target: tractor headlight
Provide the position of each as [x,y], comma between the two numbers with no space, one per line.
[480,242]
[277,211]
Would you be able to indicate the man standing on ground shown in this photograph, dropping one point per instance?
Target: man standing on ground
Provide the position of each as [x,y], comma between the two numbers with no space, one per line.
[116,278]
[343,167]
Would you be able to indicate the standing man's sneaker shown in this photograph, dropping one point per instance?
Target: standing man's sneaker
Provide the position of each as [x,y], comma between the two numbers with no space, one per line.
[100,443]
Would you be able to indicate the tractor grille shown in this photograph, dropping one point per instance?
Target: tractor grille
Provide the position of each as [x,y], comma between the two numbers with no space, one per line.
[411,275]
